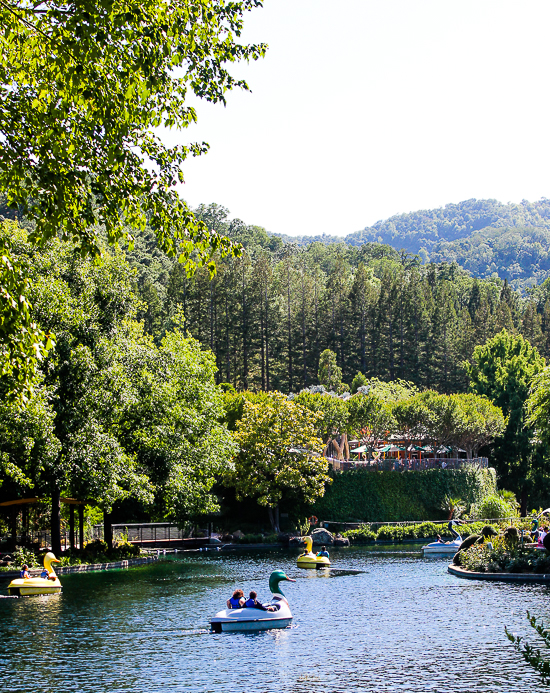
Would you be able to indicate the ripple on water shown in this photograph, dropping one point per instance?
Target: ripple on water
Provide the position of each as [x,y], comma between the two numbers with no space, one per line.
[381,621]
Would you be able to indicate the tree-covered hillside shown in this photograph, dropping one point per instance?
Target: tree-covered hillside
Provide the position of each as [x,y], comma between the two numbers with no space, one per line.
[520,254]
[268,315]
[485,237]
[426,228]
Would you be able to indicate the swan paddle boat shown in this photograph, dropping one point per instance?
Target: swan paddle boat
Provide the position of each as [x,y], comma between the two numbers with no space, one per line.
[310,560]
[23,587]
[245,619]
[442,548]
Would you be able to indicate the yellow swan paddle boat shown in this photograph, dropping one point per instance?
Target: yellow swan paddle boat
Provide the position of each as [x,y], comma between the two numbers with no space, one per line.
[22,587]
[310,560]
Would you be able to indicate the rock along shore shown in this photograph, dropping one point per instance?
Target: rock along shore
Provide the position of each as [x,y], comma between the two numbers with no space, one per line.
[498,577]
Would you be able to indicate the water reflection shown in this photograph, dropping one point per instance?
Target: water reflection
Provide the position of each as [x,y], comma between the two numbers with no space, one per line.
[384,621]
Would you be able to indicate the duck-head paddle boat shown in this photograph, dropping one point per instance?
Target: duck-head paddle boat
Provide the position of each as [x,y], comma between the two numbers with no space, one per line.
[250,619]
[442,548]
[309,559]
[38,585]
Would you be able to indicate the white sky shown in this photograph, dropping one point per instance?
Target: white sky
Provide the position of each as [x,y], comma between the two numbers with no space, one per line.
[367,108]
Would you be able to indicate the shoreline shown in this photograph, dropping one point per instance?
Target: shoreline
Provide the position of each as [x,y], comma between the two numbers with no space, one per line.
[84,567]
[457,571]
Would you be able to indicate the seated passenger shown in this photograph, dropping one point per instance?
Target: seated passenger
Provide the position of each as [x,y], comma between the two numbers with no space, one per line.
[323,552]
[440,540]
[44,574]
[24,573]
[236,601]
[253,603]
[542,533]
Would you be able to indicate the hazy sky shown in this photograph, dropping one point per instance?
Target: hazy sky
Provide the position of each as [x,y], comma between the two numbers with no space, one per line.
[363,109]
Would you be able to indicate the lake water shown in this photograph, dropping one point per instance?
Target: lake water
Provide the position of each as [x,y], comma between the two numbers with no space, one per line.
[404,624]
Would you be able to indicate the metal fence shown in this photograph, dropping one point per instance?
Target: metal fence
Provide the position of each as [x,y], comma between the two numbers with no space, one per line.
[142,532]
[402,465]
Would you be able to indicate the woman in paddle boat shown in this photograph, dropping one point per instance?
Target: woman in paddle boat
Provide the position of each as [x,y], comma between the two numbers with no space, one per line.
[236,601]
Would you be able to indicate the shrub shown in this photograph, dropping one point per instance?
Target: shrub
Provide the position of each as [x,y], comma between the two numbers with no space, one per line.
[23,556]
[494,506]
[363,535]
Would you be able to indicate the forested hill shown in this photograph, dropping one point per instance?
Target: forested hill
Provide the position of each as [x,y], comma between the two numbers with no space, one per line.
[428,228]
[485,237]
[268,315]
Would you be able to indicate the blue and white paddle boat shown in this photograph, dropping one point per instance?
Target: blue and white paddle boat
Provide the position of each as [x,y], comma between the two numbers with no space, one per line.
[442,548]
[246,619]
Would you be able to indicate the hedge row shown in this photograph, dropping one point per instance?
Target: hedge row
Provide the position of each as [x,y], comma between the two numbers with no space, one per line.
[360,495]
[424,530]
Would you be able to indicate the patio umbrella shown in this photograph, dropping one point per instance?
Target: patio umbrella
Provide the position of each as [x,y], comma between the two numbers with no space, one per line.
[361,448]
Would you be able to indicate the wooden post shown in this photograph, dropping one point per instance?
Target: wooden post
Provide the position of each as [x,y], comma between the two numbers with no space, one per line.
[71,526]
[81,526]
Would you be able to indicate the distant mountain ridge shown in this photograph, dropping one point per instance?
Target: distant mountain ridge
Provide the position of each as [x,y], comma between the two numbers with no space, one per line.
[486,237]
[426,228]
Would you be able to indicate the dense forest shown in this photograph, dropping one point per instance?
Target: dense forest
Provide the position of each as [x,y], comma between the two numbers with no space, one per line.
[268,315]
[485,237]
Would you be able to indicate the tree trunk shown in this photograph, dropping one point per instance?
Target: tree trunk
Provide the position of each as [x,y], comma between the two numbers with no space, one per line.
[55,526]
[274,518]
[81,527]
[71,527]
[523,508]
[14,515]
[107,530]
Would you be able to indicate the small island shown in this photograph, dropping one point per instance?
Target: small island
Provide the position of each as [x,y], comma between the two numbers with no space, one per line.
[507,557]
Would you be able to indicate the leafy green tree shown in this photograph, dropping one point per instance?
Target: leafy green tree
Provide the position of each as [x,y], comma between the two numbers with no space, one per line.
[84,87]
[477,424]
[503,370]
[329,373]
[167,417]
[23,344]
[358,381]
[370,418]
[333,424]
[27,443]
[279,455]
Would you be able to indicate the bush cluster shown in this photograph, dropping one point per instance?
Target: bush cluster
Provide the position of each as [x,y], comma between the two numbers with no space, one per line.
[399,533]
[502,558]
[258,539]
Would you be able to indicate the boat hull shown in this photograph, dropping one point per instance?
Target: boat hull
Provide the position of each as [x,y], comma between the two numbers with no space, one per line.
[438,549]
[247,620]
[249,626]
[26,587]
[311,561]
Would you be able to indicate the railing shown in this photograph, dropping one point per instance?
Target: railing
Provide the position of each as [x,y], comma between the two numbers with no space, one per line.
[401,465]
[143,532]
[373,526]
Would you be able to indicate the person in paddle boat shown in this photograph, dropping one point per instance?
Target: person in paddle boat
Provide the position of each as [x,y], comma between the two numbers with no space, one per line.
[236,601]
[323,552]
[253,603]
[45,575]
[24,572]
[542,533]
[440,540]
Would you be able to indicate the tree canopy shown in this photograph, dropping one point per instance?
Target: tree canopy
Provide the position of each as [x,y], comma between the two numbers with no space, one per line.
[279,454]
[85,89]
[503,370]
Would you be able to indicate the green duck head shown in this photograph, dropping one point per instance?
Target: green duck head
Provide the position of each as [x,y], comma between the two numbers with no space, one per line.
[275,578]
